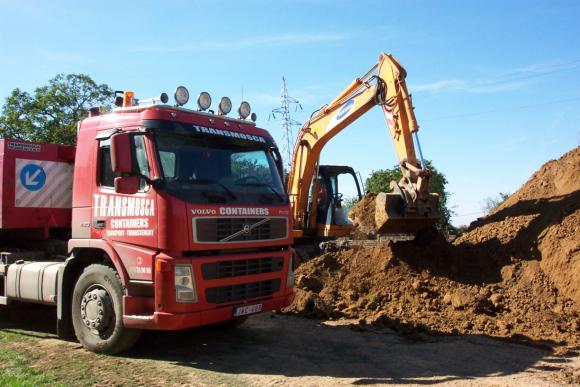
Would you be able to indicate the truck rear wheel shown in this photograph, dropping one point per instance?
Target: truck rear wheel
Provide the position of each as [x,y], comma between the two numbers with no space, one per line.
[97,312]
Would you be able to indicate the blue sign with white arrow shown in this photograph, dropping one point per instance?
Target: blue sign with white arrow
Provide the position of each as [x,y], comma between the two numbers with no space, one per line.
[32,177]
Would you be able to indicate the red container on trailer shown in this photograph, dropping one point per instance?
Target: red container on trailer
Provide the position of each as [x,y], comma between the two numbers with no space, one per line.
[35,185]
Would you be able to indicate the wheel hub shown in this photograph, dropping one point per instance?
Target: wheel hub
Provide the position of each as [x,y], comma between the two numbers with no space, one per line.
[96,309]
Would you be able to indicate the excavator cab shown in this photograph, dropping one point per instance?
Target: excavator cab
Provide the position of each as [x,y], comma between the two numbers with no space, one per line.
[327,200]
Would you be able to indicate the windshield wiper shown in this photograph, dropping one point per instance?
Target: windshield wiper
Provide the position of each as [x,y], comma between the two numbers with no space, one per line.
[264,185]
[208,181]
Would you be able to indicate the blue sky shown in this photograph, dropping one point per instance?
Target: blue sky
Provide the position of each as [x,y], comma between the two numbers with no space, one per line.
[496,84]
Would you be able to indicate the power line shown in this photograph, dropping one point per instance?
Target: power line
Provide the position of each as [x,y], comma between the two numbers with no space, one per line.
[515,76]
[504,109]
[287,122]
[521,75]
[469,214]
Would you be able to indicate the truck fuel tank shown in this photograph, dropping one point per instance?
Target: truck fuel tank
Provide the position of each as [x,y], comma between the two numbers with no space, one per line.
[33,281]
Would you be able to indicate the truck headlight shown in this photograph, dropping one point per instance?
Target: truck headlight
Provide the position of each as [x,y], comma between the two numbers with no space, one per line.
[185,290]
[290,278]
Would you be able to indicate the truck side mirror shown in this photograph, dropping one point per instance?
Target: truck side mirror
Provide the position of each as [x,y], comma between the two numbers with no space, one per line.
[121,154]
[127,185]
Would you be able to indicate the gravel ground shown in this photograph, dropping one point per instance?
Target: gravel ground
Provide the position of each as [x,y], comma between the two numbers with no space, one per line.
[273,349]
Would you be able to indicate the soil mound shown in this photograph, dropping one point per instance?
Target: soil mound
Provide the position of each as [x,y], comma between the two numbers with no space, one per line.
[516,272]
[362,216]
[555,178]
[431,287]
[540,221]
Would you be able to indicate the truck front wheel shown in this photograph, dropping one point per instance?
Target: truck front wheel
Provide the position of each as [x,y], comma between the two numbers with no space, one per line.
[97,312]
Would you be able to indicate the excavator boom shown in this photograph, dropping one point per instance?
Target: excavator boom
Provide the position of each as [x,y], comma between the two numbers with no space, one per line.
[409,207]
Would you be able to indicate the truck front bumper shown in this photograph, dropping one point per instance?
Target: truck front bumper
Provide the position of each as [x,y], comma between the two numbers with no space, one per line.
[175,321]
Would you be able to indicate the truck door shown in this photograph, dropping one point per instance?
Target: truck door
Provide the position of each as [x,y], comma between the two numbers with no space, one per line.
[127,222]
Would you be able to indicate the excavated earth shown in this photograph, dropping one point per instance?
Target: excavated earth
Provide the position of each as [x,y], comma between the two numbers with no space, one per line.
[514,274]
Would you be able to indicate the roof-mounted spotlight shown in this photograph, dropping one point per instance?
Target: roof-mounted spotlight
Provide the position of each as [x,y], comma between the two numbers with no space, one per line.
[163,98]
[253,117]
[244,110]
[204,100]
[225,106]
[181,95]
[119,98]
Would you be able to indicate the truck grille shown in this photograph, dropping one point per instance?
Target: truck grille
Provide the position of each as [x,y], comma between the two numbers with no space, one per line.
[241,267]
[234,293]
[212,230]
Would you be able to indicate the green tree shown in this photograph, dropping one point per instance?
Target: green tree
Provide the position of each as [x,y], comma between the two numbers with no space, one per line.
[379,181]
[491,203]
[458,231]
[349,202]
[51,114]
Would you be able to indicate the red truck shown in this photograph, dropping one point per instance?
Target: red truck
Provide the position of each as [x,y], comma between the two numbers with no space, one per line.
[160,218]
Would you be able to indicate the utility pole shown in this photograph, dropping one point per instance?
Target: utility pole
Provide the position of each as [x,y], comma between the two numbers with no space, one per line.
[287,122]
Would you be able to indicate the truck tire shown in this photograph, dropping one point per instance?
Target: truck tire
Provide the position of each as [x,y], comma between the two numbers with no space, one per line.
[97,312]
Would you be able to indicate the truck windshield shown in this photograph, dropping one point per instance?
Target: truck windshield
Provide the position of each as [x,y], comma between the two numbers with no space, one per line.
[218,170]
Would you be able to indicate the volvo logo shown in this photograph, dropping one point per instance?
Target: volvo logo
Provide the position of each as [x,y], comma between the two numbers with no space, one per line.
[246,229]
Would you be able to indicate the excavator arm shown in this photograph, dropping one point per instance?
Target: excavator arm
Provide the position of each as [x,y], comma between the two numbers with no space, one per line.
[410,206]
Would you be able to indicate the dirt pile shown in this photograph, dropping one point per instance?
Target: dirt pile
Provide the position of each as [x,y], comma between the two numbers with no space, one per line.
[553,179]
[540,221]
[514,273]
[430,285]
[362,216]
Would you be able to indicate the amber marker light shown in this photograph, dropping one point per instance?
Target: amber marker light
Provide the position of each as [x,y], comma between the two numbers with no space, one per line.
[128,97]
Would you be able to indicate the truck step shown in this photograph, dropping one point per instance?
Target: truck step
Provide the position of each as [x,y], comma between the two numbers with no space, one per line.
[138,317]
[4,300]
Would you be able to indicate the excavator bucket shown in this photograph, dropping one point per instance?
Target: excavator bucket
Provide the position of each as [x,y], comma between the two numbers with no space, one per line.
[393,215]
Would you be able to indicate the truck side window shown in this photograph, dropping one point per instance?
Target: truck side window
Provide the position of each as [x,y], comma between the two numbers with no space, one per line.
[141,155]
[107,177]
[141,158]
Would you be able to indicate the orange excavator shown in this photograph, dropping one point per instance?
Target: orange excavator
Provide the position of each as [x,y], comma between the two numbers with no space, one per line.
[313,189]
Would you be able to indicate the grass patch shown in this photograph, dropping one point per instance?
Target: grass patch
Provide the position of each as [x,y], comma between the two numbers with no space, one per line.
[15,370]
[12,336]
[15,363]
[27,360]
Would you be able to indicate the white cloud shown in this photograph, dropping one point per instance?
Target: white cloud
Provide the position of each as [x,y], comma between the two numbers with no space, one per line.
[263,99]
[309,95]
[438,86]
[252,42]
[476,87]
[512,80]
[547,68]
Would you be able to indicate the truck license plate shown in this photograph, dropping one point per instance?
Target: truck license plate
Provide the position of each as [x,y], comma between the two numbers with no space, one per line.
[248,309]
